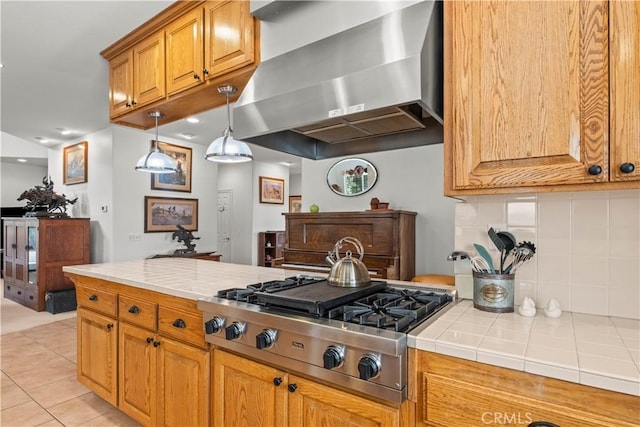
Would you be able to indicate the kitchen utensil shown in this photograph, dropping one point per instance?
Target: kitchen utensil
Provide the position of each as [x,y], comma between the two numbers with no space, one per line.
[480,264]
[484,253]
[497,241]
[347,272]
[522,253]
[509,241]
[456,255]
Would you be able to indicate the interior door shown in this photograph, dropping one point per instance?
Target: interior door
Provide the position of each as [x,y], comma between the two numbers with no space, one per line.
[224,224]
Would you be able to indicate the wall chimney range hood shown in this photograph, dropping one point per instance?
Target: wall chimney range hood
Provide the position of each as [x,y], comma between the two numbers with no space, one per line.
[374,87]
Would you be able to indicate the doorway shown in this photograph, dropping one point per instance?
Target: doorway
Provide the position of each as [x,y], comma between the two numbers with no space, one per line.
[225,206]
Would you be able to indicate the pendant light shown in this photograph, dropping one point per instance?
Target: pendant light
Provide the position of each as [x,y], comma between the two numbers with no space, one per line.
[156,161]
[226,149]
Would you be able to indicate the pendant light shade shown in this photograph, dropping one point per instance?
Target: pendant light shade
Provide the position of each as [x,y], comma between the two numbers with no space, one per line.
[156,161]
[227,149]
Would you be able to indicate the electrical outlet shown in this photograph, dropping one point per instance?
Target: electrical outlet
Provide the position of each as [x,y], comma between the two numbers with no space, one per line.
[135,237]
[497,227]
[104,208]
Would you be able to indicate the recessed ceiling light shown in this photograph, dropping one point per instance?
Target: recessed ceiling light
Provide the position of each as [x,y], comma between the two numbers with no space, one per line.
[187,135]
[64,131]
[21,160]
[42,140]
[193,120]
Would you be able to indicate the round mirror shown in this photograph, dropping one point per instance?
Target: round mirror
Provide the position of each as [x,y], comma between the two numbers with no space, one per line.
[352,177]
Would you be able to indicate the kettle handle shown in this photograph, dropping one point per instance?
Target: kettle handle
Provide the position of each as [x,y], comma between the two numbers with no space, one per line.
[352,240]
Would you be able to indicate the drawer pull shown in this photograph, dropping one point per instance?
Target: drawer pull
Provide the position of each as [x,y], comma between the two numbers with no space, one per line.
[542,424]
[156,343]
[134,310]
[149,340]
[277,381]
[292,388]
[19,292]
[109,326]
[179,323]
[93,297]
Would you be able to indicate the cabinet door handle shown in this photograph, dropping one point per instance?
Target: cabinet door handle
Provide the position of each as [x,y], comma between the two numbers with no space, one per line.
[179,323]
[13,246]
[149,340]
[156,343]
[28,248]
[109,326]
[277,381]
[134,310]
[93,297]
[19,292]
[595,170]
[205,72]
[134,102]
[196,76]
[627,167]
[292,388]
[127,105]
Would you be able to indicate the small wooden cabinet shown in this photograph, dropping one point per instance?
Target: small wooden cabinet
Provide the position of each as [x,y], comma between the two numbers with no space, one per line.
[286,399]
[527,113]
[270,245]
[452,391]
[136,76]
[35,251]
[144,352]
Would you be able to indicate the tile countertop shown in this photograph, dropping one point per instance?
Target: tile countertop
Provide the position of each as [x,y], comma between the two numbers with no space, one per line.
[597,351]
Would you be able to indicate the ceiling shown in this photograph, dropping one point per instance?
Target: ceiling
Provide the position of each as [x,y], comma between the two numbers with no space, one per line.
[54,78]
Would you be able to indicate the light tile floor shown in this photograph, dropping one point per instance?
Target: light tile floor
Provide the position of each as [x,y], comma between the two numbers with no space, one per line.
[39,386]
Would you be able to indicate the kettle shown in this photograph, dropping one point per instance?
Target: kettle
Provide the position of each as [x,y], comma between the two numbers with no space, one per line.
[347,272]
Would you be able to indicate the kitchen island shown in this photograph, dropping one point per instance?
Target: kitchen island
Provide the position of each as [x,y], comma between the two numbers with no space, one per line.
[153,304]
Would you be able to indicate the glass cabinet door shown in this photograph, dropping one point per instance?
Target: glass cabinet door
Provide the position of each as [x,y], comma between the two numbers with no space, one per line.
[32,254]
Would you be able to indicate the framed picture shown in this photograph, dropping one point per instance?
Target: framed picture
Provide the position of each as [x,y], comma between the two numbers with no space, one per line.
[179,181]
[271,190]
[162,214]
[295,204]
[74,163]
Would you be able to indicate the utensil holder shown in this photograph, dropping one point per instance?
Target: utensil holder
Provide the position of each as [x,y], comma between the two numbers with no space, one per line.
[493,292]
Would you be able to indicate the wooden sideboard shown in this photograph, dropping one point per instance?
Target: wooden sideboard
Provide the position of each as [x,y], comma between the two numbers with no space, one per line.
[388,238]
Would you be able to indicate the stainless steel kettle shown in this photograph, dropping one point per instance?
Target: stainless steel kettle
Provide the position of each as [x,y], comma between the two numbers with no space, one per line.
[347,272]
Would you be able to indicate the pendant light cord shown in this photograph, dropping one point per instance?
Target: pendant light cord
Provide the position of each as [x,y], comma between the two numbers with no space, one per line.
[155,142]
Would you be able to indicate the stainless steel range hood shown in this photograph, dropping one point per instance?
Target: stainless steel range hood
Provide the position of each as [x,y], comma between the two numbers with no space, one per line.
[374,87]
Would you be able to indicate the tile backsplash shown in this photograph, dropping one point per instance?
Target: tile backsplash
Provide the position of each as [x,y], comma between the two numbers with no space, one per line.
[587,247]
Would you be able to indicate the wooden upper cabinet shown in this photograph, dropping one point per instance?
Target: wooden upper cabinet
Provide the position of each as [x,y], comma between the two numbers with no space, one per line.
[185,52]
[229,37]
[527,95]
[624,33]
[136,76]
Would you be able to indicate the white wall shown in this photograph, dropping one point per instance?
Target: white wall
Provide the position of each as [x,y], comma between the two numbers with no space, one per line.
[409,179]
[17,178]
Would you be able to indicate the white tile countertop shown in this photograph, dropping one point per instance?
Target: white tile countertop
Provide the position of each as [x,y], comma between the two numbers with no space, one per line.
[598,351]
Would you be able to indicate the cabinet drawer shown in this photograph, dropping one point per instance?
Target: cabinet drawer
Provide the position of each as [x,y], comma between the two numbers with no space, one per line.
[98,300]
[137,312]
[31,299]
[14,292]
[181,325]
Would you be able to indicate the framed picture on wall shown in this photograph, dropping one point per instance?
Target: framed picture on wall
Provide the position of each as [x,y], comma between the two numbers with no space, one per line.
[295,204]
[74,163]
[271,190]
[181,179]
[163,214]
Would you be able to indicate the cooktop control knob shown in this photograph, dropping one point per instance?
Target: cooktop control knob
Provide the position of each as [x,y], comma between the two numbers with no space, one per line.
[333,356]
[234,331]
[265,339]
[369,366]
[214,325]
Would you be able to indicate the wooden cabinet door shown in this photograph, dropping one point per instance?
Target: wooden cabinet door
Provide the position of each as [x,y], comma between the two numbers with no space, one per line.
[97,354]
[137,376]
[9,254]
[120,83]
[527,91]
[229,37]
[246,393]
[149,77]
[185,52]
[313,404]
[183,384]
[624,45]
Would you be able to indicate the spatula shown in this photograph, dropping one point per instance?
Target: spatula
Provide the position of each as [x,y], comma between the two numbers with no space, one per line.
[484,253]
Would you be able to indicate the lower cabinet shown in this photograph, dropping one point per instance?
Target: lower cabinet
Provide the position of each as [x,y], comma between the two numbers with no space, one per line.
[247,393]
[143,352]
[457,392]
[162,381]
